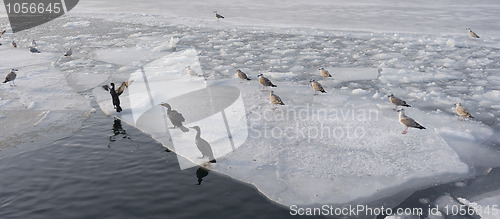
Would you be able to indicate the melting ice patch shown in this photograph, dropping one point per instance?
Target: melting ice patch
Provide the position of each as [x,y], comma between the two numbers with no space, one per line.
[42,106]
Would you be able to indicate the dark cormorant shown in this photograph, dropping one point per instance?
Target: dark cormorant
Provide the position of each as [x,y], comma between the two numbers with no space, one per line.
[116,93]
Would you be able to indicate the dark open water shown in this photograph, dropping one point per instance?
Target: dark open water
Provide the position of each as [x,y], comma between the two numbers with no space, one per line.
[88,176]
[97,174]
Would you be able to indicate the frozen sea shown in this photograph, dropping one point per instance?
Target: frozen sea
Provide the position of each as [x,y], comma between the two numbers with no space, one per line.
[342,148]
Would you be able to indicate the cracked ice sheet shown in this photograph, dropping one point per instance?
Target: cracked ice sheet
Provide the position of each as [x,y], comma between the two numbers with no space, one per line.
[42,107]
[360,156]
[363,157]
[371,159]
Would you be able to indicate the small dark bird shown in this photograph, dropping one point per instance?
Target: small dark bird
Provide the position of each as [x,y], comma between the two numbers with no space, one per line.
[13,44]
[11,76]
[218,16]
[175,118]
[398,102]
[201,172]
[242,75]
[116,99]
[265,82]
[120,89]
[203,145]
[116,93]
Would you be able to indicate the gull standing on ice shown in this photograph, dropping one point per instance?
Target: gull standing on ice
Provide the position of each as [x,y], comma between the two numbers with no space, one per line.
[218,16]
[462,112]
[68,53]
[13,44]
[408,122]
[275,99]
[115,98]
[265,82]
[317,87]
[173,42]
[242,75]
[472,34]
[203,146]
[324,73]
[190,71]
[398,102]
[34,50]
[11,77]
[175,118]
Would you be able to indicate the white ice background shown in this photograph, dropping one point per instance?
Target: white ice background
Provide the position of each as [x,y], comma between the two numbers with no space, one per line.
[417,50]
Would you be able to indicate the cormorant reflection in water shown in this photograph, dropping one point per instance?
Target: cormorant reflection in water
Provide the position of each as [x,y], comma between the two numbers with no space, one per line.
[201,172]
[117,130]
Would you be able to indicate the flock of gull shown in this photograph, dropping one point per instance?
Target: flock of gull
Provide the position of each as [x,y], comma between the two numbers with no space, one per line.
[177,119]
[405,120]
[11,76]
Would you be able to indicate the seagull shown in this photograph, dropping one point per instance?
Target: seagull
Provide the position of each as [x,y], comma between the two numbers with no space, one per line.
[275,99]
[317,87]
[33,43]
[398,102]
[265,82]
[218,16]
[11,77]
[13,44]
[34,50]
[462,112]
[203,146]
[175,118]
[173,42]
[324,73]
[471,33]
[116,93]
[408,122]
[68,53]
[190,71]
[242,75]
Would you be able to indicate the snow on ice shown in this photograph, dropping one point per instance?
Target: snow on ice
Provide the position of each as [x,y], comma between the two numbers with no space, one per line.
[341,147]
